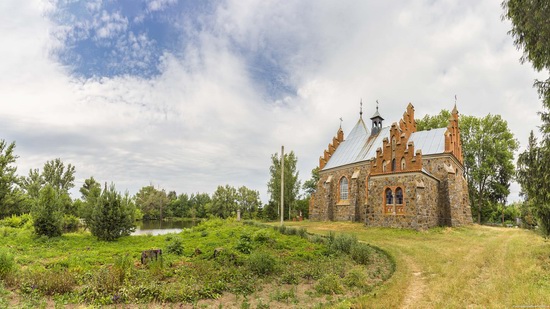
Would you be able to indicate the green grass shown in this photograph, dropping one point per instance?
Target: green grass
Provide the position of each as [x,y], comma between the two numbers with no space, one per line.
[468,267]
[251,261]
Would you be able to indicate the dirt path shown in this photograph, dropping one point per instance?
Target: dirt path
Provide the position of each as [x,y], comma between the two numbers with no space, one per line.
[416,284]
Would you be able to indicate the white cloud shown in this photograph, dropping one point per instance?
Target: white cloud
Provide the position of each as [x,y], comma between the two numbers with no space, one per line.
[157,5]
[203,122]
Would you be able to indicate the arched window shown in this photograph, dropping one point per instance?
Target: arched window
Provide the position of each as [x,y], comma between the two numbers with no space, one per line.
[389,196]
[343,188]
[403,163]
[384,166]
[399,196]
[393,165]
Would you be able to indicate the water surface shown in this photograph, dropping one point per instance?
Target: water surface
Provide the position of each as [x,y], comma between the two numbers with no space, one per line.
[157,227]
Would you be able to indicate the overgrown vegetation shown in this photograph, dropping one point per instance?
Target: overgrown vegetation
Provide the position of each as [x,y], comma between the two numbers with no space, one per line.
[218,261]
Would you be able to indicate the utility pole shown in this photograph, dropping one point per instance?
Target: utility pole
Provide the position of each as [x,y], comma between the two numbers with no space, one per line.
[282,183]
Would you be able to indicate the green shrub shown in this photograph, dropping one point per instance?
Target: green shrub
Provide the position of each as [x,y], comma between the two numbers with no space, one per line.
[302,232]
[342,243]
[284,296]
[312,270]
[7,263]
[13,221]
[244,244]
[261,236]
[329,284]
[175,247]
[356,277]
[289,277]
[70,223]
[262,263]
[361,253]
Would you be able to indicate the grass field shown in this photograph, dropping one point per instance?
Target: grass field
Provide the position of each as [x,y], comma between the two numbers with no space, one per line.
[469,267]
[218,264]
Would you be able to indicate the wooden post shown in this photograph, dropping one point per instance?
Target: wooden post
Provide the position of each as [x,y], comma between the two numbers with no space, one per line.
[282,183]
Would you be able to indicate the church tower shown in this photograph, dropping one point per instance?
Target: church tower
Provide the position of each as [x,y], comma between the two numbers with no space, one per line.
[376,121]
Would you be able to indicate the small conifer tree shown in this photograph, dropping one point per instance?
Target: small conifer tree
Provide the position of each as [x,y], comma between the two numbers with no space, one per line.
[112,215]
[47,214]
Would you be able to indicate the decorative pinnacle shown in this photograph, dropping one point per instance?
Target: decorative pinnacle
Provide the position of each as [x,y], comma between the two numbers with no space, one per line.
[361,108]
[341,122]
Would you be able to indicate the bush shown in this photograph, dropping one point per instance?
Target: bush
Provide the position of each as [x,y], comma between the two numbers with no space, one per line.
[244,244]
[329,284]
[7,264]
[175,247]
[70,223]
[361,253]
[356,278]
[342,243]
[262,263]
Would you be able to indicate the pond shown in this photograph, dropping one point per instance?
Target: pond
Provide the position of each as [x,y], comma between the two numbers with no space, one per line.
[158,227]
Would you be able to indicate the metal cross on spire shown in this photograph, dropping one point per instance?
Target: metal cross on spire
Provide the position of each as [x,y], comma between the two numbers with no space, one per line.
[361,108]
[341,122]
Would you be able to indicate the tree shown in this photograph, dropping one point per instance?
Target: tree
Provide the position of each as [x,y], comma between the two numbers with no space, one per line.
[532,174]
[198,203]
[10,197]
[224,202]
[59,178]
[112,215]
[152,202]
[292,184]
[47,213]
[310,186]
[428,122]
[488,148]
[248,201]
[33,183]
[180,206]
[531,30]
[90,190]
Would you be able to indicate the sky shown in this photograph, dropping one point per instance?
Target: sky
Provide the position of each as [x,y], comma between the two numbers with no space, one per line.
[190,95]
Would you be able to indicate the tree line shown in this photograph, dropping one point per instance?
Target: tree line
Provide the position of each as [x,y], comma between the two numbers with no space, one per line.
[109,214]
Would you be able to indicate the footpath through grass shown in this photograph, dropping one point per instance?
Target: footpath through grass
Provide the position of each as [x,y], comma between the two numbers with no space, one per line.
[469,267]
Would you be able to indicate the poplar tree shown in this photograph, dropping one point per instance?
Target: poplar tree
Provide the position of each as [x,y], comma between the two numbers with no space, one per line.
[291,186]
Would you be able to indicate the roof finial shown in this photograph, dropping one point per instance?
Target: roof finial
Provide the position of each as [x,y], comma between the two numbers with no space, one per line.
[455,110]
[341,122]
[361,108]
[376,105]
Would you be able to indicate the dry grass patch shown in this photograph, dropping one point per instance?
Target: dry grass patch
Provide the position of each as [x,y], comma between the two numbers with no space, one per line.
[468,267]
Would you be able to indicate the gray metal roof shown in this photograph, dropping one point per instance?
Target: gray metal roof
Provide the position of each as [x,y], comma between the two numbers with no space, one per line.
[430,142]
[358,147]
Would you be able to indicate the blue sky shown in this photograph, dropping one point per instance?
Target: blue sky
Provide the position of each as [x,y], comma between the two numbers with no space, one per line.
[189,95]
[116,38]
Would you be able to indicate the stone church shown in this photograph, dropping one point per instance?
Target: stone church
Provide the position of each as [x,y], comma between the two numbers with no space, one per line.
[394,176]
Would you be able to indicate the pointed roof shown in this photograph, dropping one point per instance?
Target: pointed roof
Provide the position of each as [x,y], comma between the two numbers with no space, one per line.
[376,114]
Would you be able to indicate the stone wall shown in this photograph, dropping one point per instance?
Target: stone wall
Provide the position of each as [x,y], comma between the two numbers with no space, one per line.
[454,197]
[420,201]
[327,204]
